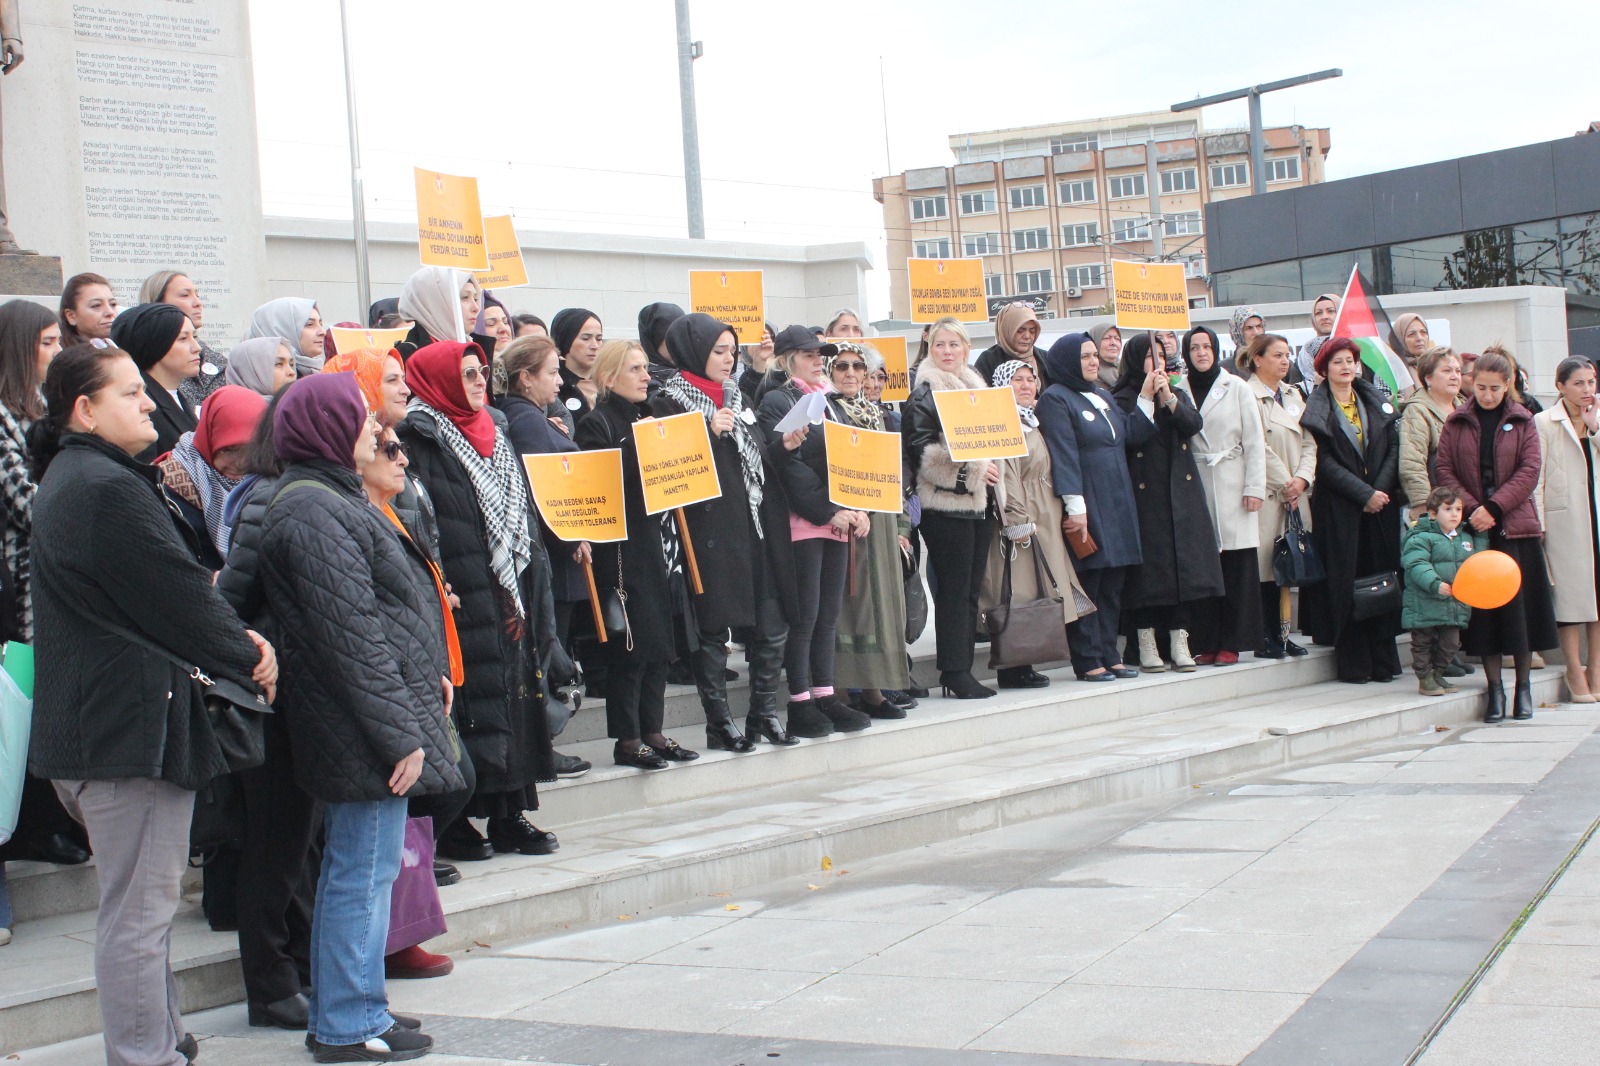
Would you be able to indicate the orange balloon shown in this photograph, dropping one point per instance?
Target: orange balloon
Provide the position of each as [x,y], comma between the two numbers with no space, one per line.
[1487,580]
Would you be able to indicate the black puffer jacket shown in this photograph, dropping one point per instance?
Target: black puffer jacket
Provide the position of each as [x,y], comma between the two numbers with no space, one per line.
[106,546]
[362,653]
[532,434]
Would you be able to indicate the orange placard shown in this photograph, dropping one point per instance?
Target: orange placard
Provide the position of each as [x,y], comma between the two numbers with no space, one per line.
[579,494]
[732,297]
[980,423]
[346,339]
[675,461]
[506,267]
[863,468]
[893,350]
[951,288]
[1150,295]
[449,221]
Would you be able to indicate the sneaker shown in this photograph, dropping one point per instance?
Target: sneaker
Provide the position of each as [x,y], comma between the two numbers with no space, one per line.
[401,1020]
[399,1044]
[5,936]
[570,766]
[416,964]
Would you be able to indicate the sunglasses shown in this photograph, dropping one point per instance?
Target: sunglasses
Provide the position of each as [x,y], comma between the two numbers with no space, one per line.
[474,373]
[390,450]
[858,367]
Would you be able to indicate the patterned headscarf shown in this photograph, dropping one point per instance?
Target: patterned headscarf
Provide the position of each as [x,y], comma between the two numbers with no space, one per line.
[862,411]
[367,365]
[1002,380]
[1241,315]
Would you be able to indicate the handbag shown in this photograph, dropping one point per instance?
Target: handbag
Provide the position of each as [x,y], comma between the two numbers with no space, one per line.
[16,725]
[614,608]
[1021,634]
[219,815]
[1374,595]
[916,598]
[415,913]
[1295,561]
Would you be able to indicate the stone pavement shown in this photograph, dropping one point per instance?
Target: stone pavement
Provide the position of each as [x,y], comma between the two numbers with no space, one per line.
[1322,914]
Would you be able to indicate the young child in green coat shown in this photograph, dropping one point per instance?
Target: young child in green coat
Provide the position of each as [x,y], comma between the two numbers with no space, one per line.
[1433,551]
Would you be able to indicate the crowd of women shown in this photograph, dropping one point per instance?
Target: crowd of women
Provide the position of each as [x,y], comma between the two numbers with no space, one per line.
[349,537]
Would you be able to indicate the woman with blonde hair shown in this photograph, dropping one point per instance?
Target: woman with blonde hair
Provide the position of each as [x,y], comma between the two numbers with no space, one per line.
[178,289]
[1422,416]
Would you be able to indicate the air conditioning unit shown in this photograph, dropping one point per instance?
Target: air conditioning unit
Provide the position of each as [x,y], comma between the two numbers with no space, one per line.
[1073,292]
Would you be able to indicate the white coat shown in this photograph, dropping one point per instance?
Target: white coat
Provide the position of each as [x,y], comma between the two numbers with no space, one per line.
[1564,499]
[1291,453]
[1230,451]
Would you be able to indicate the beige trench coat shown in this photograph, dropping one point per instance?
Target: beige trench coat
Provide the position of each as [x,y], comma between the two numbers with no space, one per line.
[1027,497]
[1563,499]
[1291,453]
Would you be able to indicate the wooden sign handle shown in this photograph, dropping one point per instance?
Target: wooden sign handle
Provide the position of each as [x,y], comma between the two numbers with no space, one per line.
[850,565]
[594,601]
[688,550]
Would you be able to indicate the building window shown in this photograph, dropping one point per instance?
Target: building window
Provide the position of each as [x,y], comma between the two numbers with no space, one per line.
[1075,192]
[1027,196]
[978,203]
[994,284]
[929,207]
[1034,281]
[1286,168]
[1126,186]
[980,244]
[1230,175]
[1078,234]
[1030,240]
[1080,142]
[1185,180]
[1086,277]
[1181,224]
[934,249]
[1130,229]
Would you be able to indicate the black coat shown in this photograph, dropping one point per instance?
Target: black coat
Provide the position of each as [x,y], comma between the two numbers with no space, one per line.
[804,471]
[1344,534]
[500,709]
[362,653]
[532,434]
[106,545]
[994,355]
[643,567]
[1181,560]
[171,419]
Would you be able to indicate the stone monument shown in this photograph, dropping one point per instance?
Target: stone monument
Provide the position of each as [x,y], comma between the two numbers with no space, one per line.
[130,147]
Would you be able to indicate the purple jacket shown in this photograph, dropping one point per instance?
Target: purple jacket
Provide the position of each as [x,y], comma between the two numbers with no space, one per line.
[1517,457]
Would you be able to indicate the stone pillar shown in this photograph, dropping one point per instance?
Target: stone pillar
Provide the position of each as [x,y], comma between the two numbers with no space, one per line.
[130,141]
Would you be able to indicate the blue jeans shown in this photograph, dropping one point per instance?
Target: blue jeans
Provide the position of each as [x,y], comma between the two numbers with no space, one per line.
[5,900]
[350,924]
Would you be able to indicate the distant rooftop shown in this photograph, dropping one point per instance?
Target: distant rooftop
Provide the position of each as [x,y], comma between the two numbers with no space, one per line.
[1080,135]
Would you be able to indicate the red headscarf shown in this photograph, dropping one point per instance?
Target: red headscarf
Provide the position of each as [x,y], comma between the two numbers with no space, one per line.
[367,365]
[433,373]
[227,418]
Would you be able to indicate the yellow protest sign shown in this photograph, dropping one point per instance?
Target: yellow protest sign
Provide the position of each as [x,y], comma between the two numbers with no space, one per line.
[675,462]
[346,339]
[579,494]
[449,221]
[980,423]
[732,297]
[1150,295]
[893,350]
[863,468]
[506,267]
[947,287]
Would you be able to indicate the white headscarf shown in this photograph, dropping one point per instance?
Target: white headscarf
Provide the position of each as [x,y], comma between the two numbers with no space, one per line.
[284,318]
[432,299]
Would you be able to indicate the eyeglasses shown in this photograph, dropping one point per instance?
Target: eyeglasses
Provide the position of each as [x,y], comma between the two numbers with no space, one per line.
[391,450]
[857,367]
[474,373]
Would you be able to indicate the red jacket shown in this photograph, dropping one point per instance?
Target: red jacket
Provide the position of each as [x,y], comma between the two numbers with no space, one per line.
[1517,457]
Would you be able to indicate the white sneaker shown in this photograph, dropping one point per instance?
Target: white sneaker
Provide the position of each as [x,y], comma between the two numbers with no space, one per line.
[5,936]
[1182,661]
[1149,656]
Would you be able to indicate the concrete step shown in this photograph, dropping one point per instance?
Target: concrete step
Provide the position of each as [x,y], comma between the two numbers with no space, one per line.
[632,841]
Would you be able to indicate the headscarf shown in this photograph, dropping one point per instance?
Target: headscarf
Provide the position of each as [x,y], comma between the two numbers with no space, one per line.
[653,322]
[432,299]
[286,317]
[1332,298]
[489,300]
[1011,318]
[250,363]
[1200,381]
[228,418]
[379,308]
[690,340]
[1002,379]
[148,332]
[320,417]
[1397,337]
[1098,333]
[1241,315]
[1130,372]
[568,323]
[862,411]
[1064,362]
[367,365]
[433,374]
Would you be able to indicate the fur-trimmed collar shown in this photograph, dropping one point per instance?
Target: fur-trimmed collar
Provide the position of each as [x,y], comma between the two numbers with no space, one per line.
[940,380]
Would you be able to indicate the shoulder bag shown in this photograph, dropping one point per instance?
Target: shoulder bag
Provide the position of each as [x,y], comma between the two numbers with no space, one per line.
[1375,595]
[1022,634]
[1295,561]
[614,608]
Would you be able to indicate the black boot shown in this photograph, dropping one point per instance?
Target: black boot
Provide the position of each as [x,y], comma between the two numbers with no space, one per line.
[845,719]
[721,733]
[806,721]
[1522,701]
[1497,703]
[963,686]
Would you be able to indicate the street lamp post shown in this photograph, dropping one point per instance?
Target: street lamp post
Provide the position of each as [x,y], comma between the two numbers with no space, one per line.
[1258,179]
[688,51]
[358,199]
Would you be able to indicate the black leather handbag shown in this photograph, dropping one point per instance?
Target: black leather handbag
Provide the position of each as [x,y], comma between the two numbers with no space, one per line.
[1022,634]
[1375,595]
[1295,562]
[614,609]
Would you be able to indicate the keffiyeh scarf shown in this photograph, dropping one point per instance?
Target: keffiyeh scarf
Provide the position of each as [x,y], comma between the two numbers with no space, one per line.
[690,398]
[211,487]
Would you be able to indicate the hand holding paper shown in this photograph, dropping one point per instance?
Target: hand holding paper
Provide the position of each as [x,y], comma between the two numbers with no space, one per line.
[810,409]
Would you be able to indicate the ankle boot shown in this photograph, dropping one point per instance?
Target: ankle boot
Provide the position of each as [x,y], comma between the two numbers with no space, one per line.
[1149,655]
[721,733]
[1182,661]
[1497,703]
[1522,702]
[763,722]
[963,686]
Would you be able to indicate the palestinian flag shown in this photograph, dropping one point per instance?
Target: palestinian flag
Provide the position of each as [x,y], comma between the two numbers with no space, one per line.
[1357,321]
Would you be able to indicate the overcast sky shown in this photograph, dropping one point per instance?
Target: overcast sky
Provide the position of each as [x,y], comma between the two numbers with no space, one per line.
[568,112]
